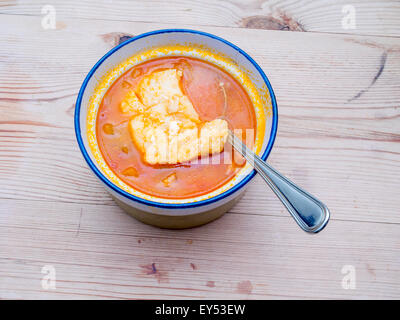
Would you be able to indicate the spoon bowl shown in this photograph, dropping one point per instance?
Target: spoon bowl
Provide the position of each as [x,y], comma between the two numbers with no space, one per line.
[310,213]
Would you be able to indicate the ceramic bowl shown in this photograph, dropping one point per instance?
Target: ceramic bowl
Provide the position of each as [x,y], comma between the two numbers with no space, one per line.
[167,213]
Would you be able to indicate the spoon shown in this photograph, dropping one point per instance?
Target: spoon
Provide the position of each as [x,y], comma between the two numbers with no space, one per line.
[310,214]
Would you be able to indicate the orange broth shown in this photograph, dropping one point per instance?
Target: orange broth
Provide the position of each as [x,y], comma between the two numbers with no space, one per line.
[201,82]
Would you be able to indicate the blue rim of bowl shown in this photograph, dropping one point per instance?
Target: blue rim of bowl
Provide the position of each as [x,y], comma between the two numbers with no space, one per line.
[218,197]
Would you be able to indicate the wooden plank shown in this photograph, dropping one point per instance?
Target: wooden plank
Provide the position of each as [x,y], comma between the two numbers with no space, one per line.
[372,17]
[100,252]
[340,146]
[338,137]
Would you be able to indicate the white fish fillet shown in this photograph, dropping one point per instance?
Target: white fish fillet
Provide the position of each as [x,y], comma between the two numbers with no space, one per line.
[165,126]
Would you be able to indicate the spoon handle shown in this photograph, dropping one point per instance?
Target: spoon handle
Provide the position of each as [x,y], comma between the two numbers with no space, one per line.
[310,214]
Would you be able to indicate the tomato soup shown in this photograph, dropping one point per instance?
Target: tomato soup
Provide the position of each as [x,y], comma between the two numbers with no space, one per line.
[213,93]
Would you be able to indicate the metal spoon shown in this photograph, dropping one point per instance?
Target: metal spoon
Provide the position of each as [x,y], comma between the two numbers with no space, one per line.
[310,213]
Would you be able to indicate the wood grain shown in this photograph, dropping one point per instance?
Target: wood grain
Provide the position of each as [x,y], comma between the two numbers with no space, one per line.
[338,136]
[372,17]
[103,254]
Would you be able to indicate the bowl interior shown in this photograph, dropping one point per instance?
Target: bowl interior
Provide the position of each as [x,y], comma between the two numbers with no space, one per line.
[174,39]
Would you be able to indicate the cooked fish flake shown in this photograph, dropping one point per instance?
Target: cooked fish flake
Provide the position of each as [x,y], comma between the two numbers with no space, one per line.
[165,126]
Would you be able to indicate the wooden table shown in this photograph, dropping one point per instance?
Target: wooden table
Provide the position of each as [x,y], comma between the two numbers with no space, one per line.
[338,92]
